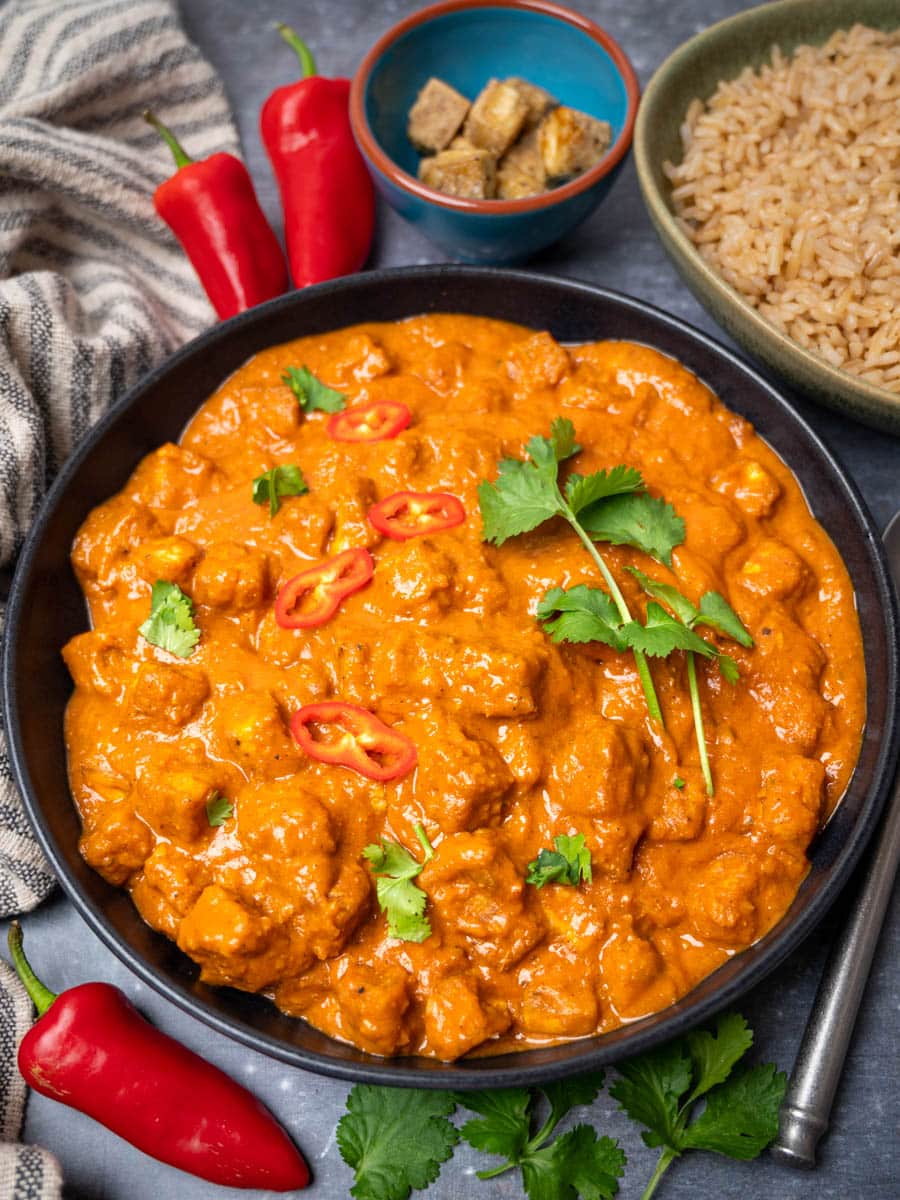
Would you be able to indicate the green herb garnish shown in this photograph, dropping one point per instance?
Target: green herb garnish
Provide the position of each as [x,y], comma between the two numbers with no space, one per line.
[312,394]
[659,1090]
[578,1163]
[398,897]
[286,480]
[395,1139]
[171,623]
[678,782]
[218,809]
[527,493]
[569,863]
[714,612]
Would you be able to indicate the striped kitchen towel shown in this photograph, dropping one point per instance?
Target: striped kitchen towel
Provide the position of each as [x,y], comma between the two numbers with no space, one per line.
[93,291]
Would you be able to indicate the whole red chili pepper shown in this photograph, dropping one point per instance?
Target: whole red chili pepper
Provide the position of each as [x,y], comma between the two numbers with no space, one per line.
[313,596]
[350,736]
[212,209]
[373,422]
[92,1049]
[410,514]
[326,192]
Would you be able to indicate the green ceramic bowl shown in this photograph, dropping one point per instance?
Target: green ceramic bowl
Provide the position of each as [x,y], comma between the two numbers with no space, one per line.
[694,70]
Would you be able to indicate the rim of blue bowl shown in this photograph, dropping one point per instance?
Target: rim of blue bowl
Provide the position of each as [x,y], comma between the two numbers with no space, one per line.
[376,156]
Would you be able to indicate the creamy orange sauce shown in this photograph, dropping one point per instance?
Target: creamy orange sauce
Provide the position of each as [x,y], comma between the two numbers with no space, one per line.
[518,740]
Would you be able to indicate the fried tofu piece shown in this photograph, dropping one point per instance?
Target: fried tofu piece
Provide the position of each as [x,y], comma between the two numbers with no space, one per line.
[520,171]
[571,142]
[437,114]
[496,117]
[538,99]
[468,173]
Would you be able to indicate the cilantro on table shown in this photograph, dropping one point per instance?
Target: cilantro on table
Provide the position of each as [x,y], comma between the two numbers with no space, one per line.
[285,480]
[311,393]
[569,863]
[171,622]
[395,1139]
[660,1089]
[527,493]
[577,1163]
[714,612]
[398,897]
[218,809]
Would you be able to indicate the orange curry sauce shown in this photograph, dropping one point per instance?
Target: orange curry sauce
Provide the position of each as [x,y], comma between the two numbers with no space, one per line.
[518,739]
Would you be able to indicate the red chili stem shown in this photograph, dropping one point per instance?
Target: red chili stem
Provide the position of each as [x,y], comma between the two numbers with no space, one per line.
[181,156]
[41,996]
[293,39]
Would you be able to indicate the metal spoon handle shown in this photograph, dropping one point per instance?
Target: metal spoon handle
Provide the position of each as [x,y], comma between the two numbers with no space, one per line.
[807,1104]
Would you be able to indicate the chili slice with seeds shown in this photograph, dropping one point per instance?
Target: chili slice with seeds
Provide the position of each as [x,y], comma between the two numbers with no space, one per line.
[410,514]
[359,740]
[313,596]
[375,422]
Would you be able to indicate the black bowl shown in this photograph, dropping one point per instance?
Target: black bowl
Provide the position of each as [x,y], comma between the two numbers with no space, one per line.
[46,608]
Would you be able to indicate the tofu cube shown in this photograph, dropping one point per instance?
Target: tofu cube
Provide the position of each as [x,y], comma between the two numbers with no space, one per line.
[468,173]
[538,99]
[496,118]
[520,171]
[572,142]
[435,117]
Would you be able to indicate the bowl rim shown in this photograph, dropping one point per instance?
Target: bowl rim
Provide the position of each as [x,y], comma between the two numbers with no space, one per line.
[592,1052]
[806,362]
[373,151]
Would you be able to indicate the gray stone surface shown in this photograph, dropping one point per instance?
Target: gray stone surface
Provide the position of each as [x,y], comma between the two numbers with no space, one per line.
[616,247]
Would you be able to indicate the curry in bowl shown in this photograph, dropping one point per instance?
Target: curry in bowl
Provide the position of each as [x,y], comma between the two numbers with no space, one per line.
[458,690]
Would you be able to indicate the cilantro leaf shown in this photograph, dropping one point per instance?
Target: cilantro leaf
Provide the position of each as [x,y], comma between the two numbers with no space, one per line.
[637,520]
[577,1164]
[398,897]
[729,668]
[286,480]
[716,612]
[171,623]
[660,1089]
[521,498]
[547,453]
[678,782]
[503,1125]
[584,490]
[312,394]
[395,1139]
[714,1054]
[569,864]
[650,1090]
[741,1114]
[566,1094]
[218,809]
[581,614]
[686,612]
[661,634]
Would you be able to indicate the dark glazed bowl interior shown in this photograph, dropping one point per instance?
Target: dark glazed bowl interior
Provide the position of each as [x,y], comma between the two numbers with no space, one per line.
[46,609]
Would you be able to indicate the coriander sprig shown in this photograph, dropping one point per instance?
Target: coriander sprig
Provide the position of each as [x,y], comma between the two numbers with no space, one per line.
[171,623]
[716,613]
[569,863]
[404,903]
[526,494]
[311,393]
[660,1089]
[577,1163]
[284,480]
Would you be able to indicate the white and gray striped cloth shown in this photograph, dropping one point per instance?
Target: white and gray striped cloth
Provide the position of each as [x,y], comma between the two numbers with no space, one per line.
[93,291]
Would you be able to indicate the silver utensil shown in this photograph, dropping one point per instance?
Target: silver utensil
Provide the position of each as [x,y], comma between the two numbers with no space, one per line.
[820,1060]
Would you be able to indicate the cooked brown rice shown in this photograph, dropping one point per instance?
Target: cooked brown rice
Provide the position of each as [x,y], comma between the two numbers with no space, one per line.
[790,187]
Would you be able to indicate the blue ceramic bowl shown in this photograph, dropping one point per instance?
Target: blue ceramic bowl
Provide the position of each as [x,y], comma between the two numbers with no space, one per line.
[466,43]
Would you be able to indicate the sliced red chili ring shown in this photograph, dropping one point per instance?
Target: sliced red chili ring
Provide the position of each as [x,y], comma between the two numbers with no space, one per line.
[410,514]
[313,596]
[375,422]
[349,736]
